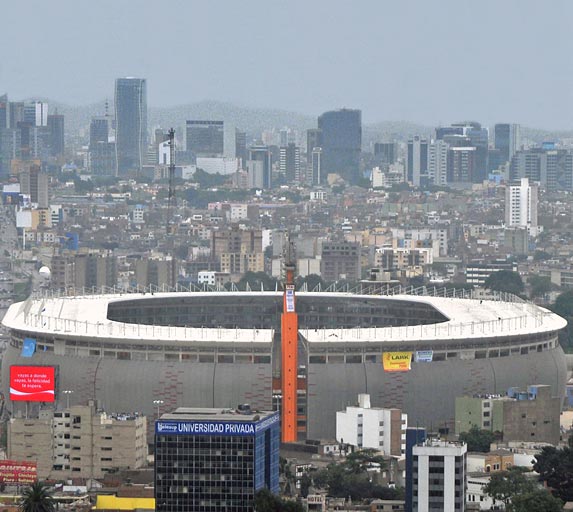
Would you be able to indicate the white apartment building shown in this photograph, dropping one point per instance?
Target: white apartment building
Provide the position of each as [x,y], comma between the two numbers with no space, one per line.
[439,476]
[438,162]
[521,205]
[364,426]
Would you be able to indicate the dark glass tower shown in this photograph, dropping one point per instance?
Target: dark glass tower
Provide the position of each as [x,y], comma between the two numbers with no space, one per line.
[341,142]
[56,126]
[206,138]
[131,124]
[215,460]
[506,140]
[99,130]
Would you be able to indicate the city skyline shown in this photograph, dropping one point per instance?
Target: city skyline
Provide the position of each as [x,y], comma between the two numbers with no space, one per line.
[424,64]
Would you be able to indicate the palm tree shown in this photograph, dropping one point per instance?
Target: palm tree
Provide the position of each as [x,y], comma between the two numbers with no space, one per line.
[37,498]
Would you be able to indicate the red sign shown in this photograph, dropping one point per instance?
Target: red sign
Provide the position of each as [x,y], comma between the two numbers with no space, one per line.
[16,472]
[32,383]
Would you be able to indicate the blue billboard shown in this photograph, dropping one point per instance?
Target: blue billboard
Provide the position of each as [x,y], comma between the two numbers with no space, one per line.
[215,428]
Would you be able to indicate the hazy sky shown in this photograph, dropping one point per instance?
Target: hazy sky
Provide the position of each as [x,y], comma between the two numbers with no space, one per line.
[423,61]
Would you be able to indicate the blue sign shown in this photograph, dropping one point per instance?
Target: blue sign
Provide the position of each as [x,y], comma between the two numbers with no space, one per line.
[28,347]
[214,428]
[424,356]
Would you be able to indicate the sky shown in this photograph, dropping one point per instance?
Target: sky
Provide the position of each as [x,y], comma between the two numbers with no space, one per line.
[400,60]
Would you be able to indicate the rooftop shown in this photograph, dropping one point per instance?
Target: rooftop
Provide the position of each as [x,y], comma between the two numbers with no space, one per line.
[86,316]
[216,414]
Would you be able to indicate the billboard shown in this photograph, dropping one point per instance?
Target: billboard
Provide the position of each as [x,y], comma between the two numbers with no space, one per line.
[32,383]
[215,428]
[424,356]
[397,361]
[16,472]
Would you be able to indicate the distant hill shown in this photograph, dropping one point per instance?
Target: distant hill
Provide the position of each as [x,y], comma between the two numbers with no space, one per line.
[255,120]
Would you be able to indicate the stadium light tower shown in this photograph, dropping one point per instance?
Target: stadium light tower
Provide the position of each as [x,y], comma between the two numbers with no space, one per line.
[289,350]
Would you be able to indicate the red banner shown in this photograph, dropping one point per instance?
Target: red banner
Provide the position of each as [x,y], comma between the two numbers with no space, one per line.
[17,472]
[32,383]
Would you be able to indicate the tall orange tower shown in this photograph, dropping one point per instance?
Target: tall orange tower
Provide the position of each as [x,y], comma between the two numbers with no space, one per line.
[289,351]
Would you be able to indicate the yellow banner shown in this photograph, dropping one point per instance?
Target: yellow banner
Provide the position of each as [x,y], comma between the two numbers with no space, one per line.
[397,361]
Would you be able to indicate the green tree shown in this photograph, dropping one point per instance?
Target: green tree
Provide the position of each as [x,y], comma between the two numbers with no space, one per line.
[563,306]
[351,478]
[555,468]
[504,486]
[540,285]
[477,440]
[505,281]
[539,500]
[207,180]
[37,498]
[305,483]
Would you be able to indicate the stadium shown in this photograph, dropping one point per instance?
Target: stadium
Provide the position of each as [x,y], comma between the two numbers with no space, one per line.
[155,351]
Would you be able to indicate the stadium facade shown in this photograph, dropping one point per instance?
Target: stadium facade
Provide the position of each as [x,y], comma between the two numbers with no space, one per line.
[154,352]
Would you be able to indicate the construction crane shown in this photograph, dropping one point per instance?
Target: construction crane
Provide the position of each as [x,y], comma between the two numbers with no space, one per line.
[289,350]
[171,199]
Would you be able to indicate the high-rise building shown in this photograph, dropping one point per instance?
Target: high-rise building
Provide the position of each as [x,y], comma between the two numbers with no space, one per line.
[448,131]
[461,164]
[56,127]
[340,260]
[287,136]
[341,142]
[241,147]
[10,149]
[156,271]
[438,163]
[131,124]
[206,138]
[313,140]
[83,270]
[99,130]
[479,138]
[552,168]
[439,476]
[363,426]
[289,162]
[215,459]
[417,161]
[318,176]
[530,163]
[4,112]
[414,437]
[34,182]
[36,113]
[521,205]
[507,140]
[259,167]
[16,113]
[102,157]
[386,152]
[39,139]
[469,134]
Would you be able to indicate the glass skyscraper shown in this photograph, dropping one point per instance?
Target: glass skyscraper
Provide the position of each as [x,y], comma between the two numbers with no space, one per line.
[206,138]
[341,142]
[215,460]
[506,139]
[131,124]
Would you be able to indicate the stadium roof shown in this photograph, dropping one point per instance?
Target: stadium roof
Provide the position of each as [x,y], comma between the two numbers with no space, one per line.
[86,316]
